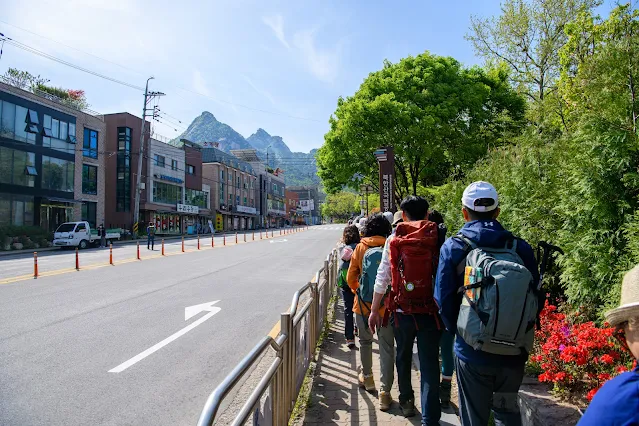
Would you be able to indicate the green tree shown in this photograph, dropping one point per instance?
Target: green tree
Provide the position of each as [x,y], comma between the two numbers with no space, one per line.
[439,116]
[527,36]
[340,205]
[22,79]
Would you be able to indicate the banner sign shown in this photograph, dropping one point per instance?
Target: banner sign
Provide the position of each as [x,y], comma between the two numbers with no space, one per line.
[386,159]
[185,208]
[306,205]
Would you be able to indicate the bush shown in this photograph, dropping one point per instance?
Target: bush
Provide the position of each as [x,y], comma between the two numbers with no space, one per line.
[575,355]
[29,236]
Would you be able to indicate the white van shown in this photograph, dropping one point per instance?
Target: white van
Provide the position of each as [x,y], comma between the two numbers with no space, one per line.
[80,234]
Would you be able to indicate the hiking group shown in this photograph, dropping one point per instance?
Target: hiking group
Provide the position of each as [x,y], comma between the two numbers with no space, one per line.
[477,291]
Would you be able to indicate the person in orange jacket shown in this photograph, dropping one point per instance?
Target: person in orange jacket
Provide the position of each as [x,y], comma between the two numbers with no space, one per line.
[375,232]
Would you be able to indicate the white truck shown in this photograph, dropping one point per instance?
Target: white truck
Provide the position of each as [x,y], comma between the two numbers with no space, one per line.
[80,234]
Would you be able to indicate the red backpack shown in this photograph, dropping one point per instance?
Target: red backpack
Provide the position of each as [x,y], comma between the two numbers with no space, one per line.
[414,255]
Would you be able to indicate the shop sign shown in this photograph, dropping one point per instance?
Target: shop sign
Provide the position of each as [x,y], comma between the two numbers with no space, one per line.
[245,209]
[185,208]
[169,178]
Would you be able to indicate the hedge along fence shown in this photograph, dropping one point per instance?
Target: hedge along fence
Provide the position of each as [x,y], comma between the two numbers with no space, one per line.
[30,237]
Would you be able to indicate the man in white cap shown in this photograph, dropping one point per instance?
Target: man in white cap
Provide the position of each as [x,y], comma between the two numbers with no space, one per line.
[486,381]
[617,402]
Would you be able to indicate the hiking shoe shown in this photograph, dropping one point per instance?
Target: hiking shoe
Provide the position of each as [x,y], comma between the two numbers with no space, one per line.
[366,382]
[408,408]
[444,393]
[350,343]
[385,401]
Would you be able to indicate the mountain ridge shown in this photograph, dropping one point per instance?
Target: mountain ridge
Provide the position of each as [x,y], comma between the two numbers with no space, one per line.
[299,167]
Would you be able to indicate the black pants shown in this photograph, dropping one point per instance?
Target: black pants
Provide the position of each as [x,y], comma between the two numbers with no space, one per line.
[349,326]
[483,388]
[150,242]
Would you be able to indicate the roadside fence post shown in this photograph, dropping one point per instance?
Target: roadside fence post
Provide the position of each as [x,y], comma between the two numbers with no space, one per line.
[245,237]
[162,246]
[254,235]
[77,260]
[35,265]
[260,234]
[224,234]
[182,243]
[110,253]
[138,250]
[212,240]
[198,241]
[235,237]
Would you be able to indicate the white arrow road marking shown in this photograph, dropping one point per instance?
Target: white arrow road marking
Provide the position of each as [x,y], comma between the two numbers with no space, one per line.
[278,241]
[189,312]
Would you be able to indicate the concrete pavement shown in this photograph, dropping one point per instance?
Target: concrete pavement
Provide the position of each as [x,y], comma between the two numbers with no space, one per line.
[64,338]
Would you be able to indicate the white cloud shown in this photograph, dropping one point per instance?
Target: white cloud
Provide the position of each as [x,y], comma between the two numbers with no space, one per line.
[322,63]
[262,92]
[276,23]
[199,84]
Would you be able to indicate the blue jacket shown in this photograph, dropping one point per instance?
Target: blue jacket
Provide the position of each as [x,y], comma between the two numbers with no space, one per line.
[616,403]
[452,253]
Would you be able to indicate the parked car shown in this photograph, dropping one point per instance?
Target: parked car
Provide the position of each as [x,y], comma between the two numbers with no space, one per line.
[80,234]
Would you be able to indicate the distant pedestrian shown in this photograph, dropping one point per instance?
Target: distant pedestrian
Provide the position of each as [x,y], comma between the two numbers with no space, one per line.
[350,239]
[361,279]
[617,402]
[150,236]
[102,235]
[491,353]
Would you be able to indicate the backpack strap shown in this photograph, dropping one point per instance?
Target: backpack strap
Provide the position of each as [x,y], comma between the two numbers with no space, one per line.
[468,246]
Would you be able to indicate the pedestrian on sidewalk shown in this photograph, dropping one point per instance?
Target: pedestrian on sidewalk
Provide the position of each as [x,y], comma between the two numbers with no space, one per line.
[150,239]
[350,239]
[490,352]
[361,279]
[617,402]
[408,267]
[102,235]
[448,338]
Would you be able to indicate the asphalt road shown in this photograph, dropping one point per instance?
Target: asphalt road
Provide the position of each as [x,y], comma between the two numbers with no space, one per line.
[73,345]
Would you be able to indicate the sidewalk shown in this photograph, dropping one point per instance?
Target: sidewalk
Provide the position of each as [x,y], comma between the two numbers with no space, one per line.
[336,398]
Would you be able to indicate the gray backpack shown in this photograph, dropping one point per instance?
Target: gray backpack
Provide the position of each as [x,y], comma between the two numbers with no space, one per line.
[499,306]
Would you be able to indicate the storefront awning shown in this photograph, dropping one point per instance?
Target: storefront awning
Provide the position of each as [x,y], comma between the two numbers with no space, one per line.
[62,200]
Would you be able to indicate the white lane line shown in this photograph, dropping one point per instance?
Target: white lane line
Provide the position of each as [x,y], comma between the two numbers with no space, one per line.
[139,357]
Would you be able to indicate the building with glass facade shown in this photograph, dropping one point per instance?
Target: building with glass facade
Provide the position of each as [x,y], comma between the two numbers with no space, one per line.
[51,164]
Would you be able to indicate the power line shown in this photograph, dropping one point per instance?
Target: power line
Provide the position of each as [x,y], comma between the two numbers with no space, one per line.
[69,64]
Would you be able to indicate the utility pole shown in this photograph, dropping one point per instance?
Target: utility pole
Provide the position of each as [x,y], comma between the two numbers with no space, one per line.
[148,96]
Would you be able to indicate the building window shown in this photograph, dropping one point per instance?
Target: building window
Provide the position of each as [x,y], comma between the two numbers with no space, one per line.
[89,179]
[59,135]
[17,167]
[222,193]
[90,143]
[244,200]
[174,165]
[57,174]
[166,193]
[89,213]
[190,170]
[16,210]
[197,198]
[221,175]
[15,123]
[123,183]
[159,160]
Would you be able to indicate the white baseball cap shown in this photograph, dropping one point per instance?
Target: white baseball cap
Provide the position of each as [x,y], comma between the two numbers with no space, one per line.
[480,197]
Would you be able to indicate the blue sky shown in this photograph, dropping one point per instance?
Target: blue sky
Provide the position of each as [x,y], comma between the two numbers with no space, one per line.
[290,58]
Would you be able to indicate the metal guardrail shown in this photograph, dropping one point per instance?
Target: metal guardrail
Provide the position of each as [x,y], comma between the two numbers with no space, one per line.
[295,345]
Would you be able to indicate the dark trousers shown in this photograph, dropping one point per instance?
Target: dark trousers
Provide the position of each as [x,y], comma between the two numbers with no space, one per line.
[483,387]
[423,328]
[150,241]
[349,327]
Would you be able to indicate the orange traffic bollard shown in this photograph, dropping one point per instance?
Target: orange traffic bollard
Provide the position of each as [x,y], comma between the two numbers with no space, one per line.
[272,234]
[77,260]
[139,250]
[110,254]
[35,265]
[224,241]
[245,237]
[260,234]
[212,240]
[198,242]
[162,246]
[254,235]
[235,237]
[182,244]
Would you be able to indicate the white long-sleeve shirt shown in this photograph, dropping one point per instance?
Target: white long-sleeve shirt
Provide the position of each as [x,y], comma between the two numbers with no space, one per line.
[384,277]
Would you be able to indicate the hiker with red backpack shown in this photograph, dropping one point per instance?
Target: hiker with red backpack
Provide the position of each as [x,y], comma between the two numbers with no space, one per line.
[487,291]
[361,279]
[408,267]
